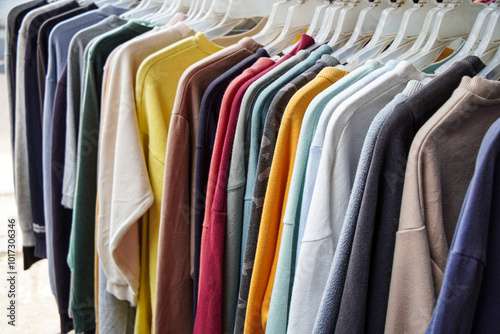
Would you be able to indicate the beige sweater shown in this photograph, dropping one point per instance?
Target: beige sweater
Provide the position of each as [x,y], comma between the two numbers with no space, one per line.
[440,166]
[113,241]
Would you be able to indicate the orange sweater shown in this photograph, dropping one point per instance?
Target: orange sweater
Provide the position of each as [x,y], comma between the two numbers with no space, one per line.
[268,244]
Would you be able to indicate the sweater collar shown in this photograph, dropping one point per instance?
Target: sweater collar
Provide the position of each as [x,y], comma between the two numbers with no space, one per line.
[487,89]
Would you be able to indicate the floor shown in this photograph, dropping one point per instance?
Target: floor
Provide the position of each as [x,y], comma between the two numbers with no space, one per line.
[36,306]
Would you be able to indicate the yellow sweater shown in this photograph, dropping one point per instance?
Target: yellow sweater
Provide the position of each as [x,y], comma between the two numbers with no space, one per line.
[157,80]
[268,244]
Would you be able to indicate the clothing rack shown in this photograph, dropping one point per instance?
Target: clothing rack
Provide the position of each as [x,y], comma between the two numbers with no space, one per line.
[259,167]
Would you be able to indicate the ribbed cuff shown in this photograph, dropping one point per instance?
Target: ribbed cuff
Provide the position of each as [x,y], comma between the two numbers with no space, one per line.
[391,64]
[412,87]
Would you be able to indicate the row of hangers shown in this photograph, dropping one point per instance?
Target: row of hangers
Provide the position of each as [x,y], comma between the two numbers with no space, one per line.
[357,30]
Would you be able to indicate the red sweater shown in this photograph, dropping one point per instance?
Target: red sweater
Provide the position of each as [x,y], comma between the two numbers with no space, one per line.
[209,313]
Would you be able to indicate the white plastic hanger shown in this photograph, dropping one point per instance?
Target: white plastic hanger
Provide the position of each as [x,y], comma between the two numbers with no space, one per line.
[425,30]
[194,8]
[478,33]
[346,22]
[492,70]
[142,4]
[214,15]
[98,2]
[318,16]
[386,31]
[299,17]
[408,31]
[328,23]
[363,31]
[275,24]
[125,3]
[237,13]
[486,50]
[202,8]
[453,22]
[144,8]
[178,6]
[165,8]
